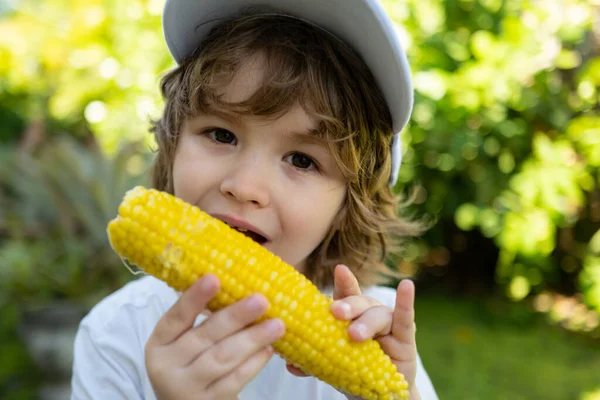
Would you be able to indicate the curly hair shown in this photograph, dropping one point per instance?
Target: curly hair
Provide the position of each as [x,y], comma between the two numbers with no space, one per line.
[308,66]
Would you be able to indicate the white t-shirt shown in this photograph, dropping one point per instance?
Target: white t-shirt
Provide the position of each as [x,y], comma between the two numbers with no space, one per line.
[109,351]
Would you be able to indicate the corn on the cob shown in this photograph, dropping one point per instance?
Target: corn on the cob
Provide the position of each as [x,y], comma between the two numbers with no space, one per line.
[178,243]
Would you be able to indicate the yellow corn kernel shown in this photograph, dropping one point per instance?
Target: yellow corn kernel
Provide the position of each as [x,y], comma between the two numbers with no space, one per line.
[178,243]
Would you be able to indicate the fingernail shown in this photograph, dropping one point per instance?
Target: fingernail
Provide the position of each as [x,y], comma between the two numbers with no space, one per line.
[254,303]
[274,327]
[360,330]
[207,284]
[344,308]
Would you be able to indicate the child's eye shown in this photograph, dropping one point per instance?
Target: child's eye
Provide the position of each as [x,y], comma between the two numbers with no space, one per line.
[220,135]
[302,161]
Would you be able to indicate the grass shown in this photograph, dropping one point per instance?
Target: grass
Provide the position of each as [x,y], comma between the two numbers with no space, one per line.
[497,350]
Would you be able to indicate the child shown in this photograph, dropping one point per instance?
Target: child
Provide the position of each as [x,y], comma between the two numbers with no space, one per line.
[274,122]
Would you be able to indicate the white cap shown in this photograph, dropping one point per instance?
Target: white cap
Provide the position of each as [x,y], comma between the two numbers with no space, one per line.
[363,24]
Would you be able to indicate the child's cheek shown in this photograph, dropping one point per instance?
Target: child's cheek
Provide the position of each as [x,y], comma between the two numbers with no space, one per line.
[309,218]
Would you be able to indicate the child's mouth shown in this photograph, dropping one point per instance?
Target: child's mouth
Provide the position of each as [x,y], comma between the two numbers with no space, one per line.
[252,235]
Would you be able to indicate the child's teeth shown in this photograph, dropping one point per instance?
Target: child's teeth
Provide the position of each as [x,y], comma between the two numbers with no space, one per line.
[236,228]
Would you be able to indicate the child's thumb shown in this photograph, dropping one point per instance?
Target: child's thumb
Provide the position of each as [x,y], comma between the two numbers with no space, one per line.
[345,283]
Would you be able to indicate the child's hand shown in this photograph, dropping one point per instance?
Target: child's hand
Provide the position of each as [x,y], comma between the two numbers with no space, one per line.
[216,359]
[393,329]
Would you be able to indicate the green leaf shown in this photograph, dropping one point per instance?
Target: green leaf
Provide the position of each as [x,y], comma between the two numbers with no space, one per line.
[568,59]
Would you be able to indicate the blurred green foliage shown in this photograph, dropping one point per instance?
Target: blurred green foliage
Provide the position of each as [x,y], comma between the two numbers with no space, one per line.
[84,63]
[505,135]
[56,204]
[19,376]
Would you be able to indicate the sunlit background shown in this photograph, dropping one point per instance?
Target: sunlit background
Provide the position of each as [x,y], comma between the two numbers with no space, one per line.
[503,151]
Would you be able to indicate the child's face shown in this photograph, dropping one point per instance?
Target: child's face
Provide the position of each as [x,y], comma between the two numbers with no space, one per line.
[271,174]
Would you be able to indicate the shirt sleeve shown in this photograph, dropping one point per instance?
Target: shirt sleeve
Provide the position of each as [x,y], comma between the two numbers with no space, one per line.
[104,365]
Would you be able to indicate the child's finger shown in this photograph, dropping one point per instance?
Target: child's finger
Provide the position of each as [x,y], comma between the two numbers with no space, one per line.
[181,317]
[403,318]
[376,321]
[352,306]
[398,351]
[295,370]
[345,283]
[224,323]
[226,355]
[233,383]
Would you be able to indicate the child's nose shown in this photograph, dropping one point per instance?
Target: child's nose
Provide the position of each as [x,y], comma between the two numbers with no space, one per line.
[247,183]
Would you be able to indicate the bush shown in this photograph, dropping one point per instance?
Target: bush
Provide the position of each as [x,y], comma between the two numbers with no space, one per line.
[56,204]
[505,135]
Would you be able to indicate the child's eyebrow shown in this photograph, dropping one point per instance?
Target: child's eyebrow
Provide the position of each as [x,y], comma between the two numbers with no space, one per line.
[232,118]
[310,137]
